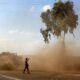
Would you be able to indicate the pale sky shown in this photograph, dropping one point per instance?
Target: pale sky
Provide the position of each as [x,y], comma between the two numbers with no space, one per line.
[20,24]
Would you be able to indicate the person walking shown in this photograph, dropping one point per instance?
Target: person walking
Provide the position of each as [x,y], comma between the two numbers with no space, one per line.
[26,66]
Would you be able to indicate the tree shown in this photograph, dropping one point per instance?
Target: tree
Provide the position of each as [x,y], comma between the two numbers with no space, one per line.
[60,19]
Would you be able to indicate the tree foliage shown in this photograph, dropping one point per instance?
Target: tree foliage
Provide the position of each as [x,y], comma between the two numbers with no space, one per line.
[61,18]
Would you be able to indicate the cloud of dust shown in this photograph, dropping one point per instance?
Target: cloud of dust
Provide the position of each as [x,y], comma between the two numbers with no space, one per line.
[56,57]
[10,62]
[60,56]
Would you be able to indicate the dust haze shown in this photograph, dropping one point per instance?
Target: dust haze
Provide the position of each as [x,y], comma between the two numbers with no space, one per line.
[59,56]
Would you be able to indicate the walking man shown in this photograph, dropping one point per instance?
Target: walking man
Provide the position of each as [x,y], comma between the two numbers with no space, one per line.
[26,66]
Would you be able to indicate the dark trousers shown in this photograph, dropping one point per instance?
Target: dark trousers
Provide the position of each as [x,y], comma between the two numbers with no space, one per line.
[26,68]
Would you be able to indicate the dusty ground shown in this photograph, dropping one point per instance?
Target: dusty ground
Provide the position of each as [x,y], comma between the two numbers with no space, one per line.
[37,75]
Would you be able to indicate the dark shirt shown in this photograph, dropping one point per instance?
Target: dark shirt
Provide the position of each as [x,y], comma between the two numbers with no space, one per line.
[26,63]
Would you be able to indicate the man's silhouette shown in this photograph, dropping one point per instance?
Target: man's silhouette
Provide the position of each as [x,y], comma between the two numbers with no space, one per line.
[26,66]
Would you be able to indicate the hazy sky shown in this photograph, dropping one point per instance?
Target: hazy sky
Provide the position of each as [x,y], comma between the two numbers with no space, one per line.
[20,24]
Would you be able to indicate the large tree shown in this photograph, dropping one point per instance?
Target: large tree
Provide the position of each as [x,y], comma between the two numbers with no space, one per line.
[60,19]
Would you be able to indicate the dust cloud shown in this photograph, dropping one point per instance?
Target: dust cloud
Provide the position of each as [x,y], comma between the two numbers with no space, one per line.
[10,61]
[57,57]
